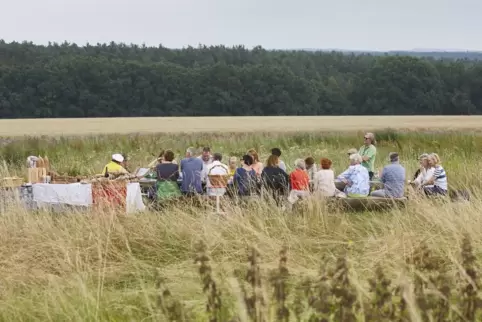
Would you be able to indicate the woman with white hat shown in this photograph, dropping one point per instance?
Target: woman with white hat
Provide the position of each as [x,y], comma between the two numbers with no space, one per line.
[115,166]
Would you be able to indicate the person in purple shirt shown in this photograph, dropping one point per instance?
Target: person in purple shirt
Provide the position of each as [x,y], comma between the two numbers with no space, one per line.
[191,169]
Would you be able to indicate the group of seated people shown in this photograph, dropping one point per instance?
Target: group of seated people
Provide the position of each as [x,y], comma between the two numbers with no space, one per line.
[199,174]
[195,173]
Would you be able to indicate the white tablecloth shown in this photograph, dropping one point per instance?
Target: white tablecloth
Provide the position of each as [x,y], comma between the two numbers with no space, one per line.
[78,194]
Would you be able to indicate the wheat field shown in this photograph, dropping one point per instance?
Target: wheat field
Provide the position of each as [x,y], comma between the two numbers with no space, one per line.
[97,126]
[256,263]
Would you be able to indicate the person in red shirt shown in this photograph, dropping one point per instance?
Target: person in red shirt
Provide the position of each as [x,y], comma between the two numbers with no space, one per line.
[300,182]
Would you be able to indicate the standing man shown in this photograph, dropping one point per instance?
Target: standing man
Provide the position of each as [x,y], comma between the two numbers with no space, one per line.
[368,153]
[191,169]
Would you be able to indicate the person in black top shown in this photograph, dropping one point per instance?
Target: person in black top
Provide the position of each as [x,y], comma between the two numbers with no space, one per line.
[275,179]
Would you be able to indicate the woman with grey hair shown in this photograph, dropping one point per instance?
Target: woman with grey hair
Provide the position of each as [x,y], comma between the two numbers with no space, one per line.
[299,181]
[356,178]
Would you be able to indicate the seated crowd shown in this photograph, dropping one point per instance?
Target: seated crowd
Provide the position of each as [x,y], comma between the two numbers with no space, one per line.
[196,175]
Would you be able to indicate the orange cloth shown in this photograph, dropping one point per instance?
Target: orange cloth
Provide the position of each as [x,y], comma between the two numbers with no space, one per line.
[299,180]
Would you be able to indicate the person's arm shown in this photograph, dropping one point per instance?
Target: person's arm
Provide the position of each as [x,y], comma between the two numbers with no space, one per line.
[345,174]
[419,179]
[434,175]
[175,175]
[369,154]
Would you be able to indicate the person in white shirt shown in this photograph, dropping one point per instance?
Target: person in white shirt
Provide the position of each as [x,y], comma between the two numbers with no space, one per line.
[207,159]
[437,184]
[324,181]
[215,168]
[425,173]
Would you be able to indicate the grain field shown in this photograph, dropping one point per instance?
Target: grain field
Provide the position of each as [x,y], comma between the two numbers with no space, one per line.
[95,126]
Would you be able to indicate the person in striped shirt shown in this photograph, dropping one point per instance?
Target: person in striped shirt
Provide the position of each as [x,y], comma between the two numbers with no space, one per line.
[437,185]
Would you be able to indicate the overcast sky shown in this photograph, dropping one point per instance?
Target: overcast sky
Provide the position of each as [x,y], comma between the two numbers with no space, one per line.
[280,24]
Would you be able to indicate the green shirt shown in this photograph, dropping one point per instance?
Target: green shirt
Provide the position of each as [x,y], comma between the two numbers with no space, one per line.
[371,152]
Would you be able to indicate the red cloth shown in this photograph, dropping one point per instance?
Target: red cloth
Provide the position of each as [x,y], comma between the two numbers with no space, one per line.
[109,195]
[299,180]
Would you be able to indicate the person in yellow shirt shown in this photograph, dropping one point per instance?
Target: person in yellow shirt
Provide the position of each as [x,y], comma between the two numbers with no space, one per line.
[115,166]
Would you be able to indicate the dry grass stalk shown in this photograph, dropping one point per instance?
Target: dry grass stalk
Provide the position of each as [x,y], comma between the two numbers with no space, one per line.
[170,308]
[343,292]
[279,282]
[470,299]
[214,302]
[319,294]
[254,300]
[382,306]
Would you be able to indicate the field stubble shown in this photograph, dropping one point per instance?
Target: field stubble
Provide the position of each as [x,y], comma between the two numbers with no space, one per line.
[402,265]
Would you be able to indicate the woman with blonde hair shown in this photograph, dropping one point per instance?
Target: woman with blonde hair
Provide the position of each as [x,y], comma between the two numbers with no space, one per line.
[437,184]
[424,173]
[257,165]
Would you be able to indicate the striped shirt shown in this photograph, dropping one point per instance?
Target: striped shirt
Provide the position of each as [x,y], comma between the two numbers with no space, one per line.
[440,178]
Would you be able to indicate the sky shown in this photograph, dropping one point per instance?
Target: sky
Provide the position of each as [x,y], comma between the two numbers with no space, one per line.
[379,25]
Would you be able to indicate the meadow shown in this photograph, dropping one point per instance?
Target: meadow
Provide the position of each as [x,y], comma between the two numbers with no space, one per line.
[184,263]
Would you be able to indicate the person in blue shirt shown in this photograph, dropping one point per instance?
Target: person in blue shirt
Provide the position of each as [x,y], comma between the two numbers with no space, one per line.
[393,179]
[191,169]
[356,178]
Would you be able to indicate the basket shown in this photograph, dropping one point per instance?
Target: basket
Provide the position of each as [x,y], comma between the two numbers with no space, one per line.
[11,182]
[218,180]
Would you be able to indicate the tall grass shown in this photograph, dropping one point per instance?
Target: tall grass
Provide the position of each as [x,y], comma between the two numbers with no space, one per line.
[255,264]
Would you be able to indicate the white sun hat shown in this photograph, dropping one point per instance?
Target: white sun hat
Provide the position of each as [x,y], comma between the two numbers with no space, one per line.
[118,157]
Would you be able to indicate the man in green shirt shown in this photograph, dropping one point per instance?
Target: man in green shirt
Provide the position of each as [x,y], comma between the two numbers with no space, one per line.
[368,153]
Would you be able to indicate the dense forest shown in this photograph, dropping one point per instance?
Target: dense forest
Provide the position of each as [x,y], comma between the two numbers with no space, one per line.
[108,80]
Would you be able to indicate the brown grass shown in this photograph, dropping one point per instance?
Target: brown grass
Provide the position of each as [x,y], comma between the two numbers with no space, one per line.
[56,127]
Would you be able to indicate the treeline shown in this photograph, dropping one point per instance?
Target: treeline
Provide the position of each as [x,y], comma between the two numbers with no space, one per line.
[112,80]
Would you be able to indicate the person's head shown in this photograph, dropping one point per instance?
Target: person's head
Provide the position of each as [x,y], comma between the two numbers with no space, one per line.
[433,159]
[217,156]
[424,162]
[369,138]
[233,162]
[300,164]
[117,158]
[168,156]
[248,160]
[273,161]
[325,163]
[276,151]
[206,154]
[393,156]
[254,154]
[355,159]
[309,161]
[190,152]
[352,151]
[422,159]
